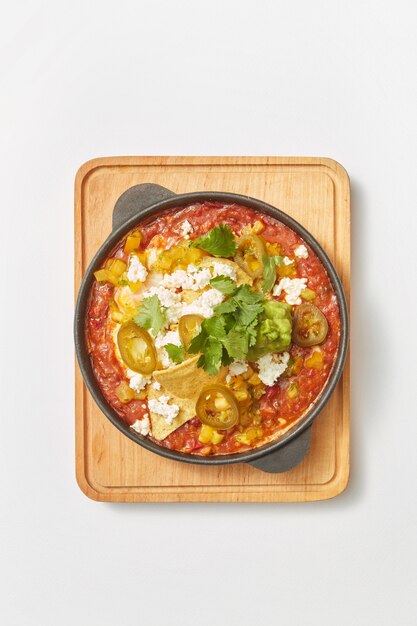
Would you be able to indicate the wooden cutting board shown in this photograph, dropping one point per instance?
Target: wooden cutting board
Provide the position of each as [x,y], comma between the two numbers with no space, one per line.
[110,467]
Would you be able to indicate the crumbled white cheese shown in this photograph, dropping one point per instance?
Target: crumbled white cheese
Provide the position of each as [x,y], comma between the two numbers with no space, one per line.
[201,277]
[161,407]
[156,385]
[161,340]
[166,297]
[172,336]
[186,228]
[271,366]
[301,252]
[287,261]
[203,305]
[222,269]
[292,287]
[138,381]
[136,271]
[194,278]
[142,426]
[237,367]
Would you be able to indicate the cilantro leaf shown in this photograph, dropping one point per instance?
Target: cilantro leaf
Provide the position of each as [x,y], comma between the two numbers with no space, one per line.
[226,307]
[224,284]
[213,356]
[219,241]
[231,331]
[197,343]
[151,314]
[248,313]
[214,327]
[270,273]
[175,353]
[278,260]
[251,330]
[236,343]
[244,295]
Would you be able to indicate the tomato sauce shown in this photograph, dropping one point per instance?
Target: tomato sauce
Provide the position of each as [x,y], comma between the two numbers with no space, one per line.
[277,409]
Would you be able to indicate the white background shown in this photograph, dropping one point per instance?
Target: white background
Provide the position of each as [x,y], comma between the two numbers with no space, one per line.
[86,79]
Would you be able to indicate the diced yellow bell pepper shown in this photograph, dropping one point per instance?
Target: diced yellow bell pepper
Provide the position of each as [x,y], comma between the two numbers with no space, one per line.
[293,391]
[308,294]
[124,392]
[178,257]
[106,276]
[289,271]
[216,437]
[117,267]
[116,314]
[273,249]
[254,380]
[255,432]
[133,242]
[209,435]
[315,360]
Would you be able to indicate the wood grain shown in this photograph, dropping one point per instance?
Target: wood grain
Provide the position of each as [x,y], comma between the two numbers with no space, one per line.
[110,467]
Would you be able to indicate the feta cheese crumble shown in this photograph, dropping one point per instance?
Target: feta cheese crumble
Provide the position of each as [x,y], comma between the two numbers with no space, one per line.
[137,381]
[161,340]
[172,336]
[301,252]
[271,366]
[161,407]
[156,385]
[203,305]
[194,278]
[166,297]
[292,287]
[186,228]
[142,426]
[235,368]
[238,367]
[136,271]
[222,269]
[287,261]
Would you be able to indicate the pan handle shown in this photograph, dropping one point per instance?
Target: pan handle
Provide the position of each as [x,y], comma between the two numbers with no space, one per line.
[285,458]
[137,198]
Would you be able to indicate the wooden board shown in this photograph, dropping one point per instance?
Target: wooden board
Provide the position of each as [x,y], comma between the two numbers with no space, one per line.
[110,467]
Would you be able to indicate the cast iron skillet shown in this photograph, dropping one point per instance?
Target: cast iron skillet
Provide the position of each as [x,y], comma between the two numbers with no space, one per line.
[145,200]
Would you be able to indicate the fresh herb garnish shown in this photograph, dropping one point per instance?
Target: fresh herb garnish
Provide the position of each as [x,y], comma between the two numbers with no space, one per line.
[123,282]
[151,314]
[224,284]
[175,353]
[219,241]
[230,332]
[269,275]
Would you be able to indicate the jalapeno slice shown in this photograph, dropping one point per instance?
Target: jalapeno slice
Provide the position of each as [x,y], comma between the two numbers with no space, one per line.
[249,253]
[136,348]
[188,328]
[310,326]
[217,407]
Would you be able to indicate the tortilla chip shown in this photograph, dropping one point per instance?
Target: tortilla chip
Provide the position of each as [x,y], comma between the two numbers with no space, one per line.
[183,384]
[241,276]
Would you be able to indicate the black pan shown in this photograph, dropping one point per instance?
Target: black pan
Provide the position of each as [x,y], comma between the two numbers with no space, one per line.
[145,200]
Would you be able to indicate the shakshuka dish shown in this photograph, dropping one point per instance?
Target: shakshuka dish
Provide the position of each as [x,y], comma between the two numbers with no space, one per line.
[212,328]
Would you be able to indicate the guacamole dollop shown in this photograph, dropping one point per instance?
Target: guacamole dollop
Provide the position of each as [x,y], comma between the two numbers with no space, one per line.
[274,329]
